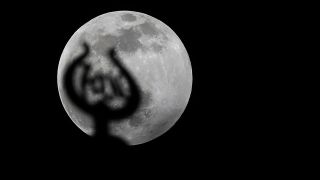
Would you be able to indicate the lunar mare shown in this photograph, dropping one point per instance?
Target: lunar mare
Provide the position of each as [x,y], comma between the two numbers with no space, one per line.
[156,57]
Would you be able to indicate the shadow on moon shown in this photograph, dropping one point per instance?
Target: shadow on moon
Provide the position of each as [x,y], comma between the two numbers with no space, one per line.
[102,111]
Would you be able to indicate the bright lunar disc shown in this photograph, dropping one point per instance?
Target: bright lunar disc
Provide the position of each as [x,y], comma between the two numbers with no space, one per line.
[155,56]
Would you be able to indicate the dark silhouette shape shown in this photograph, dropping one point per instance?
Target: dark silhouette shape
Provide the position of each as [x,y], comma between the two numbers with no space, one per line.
[102,112]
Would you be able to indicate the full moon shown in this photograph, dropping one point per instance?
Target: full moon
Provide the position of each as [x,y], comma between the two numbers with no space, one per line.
[155,56]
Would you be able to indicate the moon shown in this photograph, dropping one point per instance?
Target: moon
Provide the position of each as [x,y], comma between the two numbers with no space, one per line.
[153,53]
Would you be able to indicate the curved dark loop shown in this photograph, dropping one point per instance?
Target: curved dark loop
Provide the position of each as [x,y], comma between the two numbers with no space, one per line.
[134,97]
[100,111]
[68,80]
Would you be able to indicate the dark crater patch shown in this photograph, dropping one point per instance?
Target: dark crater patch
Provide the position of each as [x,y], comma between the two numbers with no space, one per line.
[156,47]
[104,42]
[149,28]
[128,41]
[128,17]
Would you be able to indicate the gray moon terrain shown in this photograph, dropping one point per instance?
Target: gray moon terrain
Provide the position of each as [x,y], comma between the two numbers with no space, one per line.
[155,56]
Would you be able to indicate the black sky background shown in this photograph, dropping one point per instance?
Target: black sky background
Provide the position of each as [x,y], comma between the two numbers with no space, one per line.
[229,46]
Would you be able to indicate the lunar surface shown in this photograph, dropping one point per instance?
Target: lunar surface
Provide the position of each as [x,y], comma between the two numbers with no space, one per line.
[156,57]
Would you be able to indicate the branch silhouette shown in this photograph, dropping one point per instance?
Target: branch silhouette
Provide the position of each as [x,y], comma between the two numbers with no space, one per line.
[101,111]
